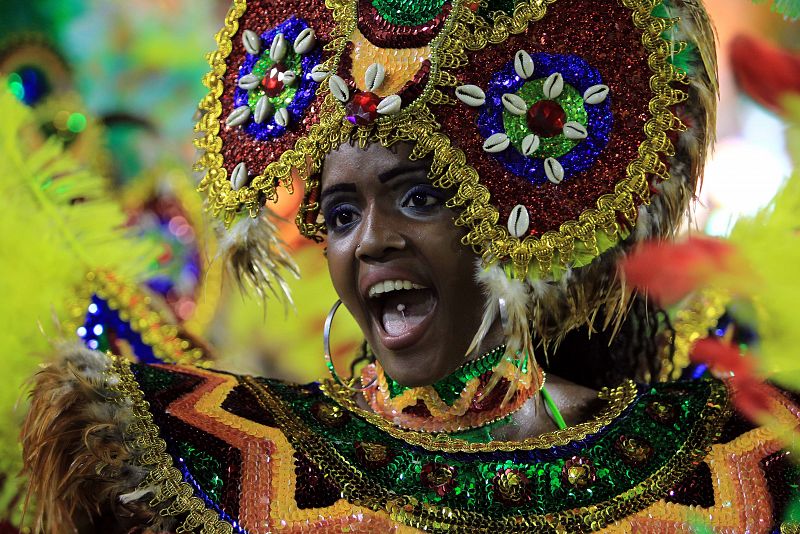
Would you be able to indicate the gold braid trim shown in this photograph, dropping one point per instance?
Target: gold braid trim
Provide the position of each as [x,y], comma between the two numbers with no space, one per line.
[595,231]
[692,323]
[361,491]
[173,496]
[135,307]
[618,399]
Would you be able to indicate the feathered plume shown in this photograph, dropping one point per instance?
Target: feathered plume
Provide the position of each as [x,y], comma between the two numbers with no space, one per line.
[57,223]
[254,253]
[508,299]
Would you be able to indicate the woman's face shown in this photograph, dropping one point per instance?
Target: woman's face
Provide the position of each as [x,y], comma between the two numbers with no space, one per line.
[397,263]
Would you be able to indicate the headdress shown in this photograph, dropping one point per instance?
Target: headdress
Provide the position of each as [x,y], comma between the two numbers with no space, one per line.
[568,129]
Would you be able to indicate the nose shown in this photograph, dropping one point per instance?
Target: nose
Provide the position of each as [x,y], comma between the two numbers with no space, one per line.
[380,236]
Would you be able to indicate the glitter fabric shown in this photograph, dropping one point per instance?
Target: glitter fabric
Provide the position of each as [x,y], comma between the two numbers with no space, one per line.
[351,474]
[408,12]
[401,64]
[382,33]
[591,168]
[296,99]
[238,145]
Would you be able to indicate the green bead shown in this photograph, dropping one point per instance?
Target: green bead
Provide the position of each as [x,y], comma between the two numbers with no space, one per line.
[516,126]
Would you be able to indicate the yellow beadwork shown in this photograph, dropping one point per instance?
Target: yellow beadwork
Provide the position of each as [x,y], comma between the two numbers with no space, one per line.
[169,344]
[401,64]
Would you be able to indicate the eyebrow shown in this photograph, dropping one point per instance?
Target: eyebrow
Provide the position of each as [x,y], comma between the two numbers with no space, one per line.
[383,177]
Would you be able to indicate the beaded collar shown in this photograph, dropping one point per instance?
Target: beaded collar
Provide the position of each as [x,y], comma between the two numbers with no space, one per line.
[476,394]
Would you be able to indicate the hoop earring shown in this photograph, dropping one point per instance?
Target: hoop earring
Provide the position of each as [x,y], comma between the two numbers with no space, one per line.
[326,345]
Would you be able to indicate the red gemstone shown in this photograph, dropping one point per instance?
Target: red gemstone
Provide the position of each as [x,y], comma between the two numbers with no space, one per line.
[273,82]
[546,118]
[363,108]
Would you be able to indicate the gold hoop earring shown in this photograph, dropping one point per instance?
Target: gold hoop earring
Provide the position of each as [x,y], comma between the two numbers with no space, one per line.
[326,345]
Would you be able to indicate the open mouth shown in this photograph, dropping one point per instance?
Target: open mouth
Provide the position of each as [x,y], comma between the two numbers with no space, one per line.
[402,310]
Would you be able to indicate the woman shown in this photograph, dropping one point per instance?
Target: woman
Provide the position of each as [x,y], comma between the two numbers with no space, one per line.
[478,170]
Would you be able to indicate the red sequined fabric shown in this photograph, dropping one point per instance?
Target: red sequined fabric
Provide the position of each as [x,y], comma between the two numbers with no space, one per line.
[607,39]
[238,146]
[386,35]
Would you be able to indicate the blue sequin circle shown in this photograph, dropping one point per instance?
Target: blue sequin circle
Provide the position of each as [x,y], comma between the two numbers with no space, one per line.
[306,89]
[580,75]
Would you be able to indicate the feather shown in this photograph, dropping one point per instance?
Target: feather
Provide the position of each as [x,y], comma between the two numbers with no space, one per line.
[256,257]
[58,222]
[75,450]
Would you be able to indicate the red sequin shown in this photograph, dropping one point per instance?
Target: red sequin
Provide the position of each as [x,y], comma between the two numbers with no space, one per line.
[546,118]
[273,82]
[363,108]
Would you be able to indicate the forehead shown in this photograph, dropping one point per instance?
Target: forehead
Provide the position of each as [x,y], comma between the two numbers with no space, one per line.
[351,163]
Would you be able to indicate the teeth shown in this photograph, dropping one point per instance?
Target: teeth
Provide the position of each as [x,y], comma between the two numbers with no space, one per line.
[392,285]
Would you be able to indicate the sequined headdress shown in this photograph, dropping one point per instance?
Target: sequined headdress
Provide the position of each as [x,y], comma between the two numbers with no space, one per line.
[567,128]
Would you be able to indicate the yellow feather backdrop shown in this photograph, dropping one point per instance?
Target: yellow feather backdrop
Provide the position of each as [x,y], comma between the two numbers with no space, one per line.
[57,221]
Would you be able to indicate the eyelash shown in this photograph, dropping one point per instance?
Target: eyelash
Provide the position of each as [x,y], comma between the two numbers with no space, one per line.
[340,209]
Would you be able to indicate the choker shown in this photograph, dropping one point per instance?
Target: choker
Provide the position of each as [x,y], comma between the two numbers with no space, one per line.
[480,392]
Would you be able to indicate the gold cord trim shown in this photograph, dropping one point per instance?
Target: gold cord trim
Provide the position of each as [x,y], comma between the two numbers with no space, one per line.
[692,323]
[135,308]
[405,509]
[618,399]
[595,231]
[174,496]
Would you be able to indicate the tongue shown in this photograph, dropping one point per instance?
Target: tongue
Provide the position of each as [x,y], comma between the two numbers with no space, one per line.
[403,310]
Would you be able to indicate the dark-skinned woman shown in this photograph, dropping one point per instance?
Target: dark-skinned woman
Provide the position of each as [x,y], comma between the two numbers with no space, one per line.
[476,171]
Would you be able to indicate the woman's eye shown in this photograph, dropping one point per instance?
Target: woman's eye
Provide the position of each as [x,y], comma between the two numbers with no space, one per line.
[422,199]
[340,217]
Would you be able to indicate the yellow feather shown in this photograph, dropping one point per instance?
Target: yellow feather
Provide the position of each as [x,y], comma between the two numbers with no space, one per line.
[56,223]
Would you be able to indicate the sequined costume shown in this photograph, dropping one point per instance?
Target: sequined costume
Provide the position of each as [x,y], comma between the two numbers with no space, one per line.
[216,452]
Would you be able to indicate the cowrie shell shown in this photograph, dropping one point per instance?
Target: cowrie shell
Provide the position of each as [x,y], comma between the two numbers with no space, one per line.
[514,104]
[318,74]
[238,116]
[519,221]
[496,143]
[282,117]
[305,42]
[575,131]
[263,110]
[249,82]
[596,94]
[554,170]
[239,176]
[530,144]
[251,42]
[288,77]
[554,85]
[339,88]
[278,48]
[390,105]
[374,76]
[471,95]
[523,64]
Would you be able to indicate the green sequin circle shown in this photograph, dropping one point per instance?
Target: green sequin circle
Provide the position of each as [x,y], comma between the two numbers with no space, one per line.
[262,68]
[517,128]
[408,12]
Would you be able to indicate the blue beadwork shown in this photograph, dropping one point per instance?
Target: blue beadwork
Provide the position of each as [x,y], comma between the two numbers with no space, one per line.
[576,72]
[102,320]
[306,89]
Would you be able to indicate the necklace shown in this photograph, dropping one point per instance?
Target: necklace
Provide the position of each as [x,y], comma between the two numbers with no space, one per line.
[480,392]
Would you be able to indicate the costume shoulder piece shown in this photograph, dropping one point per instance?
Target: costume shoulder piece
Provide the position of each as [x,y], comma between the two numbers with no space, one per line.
[205,450]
